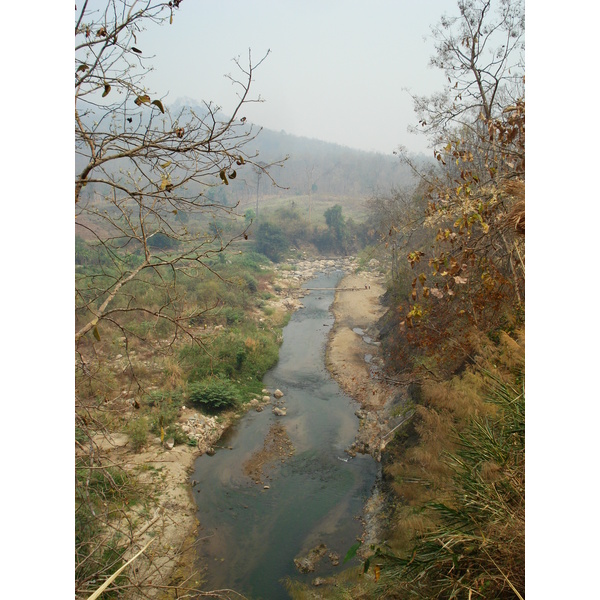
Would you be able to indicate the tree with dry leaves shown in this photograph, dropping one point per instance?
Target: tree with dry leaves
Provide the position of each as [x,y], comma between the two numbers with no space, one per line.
[142,170]
[456,328]
[145,222]
[467,252]
[481,52]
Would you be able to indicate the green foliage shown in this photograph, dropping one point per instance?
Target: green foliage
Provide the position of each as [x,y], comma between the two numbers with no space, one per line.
[165,410]
[247,352]
[87,254]
[217,195]
[161,241]
[232,315]
[249,216]
[271,241]
[138,433]
[335,221]
[240,357]
[352,551]
[251,283]
[214,395]
[249,262]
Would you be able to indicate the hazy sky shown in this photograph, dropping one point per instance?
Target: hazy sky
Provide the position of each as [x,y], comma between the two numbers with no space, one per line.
[336,71]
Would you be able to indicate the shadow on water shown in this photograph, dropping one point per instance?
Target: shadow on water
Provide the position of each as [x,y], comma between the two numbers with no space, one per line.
[250,535]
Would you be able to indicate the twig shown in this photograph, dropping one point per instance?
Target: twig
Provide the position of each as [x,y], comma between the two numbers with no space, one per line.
[99,591]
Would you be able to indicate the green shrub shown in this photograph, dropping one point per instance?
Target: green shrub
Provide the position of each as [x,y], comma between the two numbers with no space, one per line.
[162,241]
[173,431]
[138,433]
[248,350]
[250,261]
[271,241]
[240,357]
[232,315]
[251,283]
[213,395]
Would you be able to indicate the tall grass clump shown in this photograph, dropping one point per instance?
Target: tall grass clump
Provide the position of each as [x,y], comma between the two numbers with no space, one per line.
[99,495]
[476,546]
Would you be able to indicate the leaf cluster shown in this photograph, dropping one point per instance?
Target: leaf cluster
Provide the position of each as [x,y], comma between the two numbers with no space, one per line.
[214,395]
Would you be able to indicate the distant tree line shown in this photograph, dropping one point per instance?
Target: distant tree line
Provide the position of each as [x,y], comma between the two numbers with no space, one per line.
[286,227]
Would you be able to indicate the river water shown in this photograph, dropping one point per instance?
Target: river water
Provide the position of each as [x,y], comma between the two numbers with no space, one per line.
[250,535]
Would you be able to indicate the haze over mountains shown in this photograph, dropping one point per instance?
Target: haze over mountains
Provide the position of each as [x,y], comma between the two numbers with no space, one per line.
[325,171]
[317,167]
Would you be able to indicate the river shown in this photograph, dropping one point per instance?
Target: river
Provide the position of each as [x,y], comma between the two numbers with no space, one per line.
[251,533]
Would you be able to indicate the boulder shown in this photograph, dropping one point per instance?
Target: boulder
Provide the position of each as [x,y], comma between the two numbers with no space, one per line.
[280,412]
[307,563]
[278,393]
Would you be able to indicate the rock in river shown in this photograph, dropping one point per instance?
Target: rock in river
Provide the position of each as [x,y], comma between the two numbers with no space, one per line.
[306,564]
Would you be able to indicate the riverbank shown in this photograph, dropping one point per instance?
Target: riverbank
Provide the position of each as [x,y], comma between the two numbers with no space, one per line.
[354,358]
[167,515]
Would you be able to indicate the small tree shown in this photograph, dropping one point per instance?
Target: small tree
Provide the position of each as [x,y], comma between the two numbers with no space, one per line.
[480,52]
[337,226]
[271,241]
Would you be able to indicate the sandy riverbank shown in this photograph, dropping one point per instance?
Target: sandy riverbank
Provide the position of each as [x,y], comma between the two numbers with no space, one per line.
[351,340]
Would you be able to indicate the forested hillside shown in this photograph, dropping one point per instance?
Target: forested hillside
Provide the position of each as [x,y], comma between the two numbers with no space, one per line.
[313,174]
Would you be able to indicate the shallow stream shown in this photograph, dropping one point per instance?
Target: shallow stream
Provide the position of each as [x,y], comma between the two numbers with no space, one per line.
[252,532]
